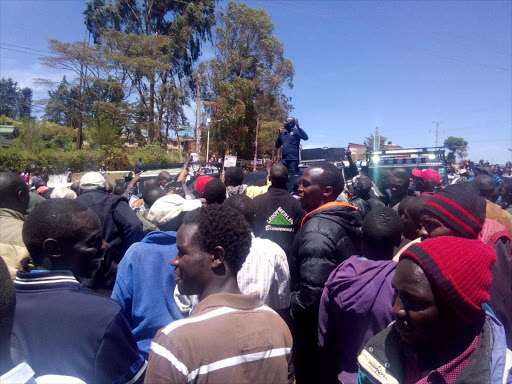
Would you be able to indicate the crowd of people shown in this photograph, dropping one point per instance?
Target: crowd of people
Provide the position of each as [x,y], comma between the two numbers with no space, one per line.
[205,279]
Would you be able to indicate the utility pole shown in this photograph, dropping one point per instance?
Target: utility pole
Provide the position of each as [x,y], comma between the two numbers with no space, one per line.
[198,115]
[437,123]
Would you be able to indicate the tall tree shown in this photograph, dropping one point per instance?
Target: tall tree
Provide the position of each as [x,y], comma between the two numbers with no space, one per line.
[456,145]
[168,32]
[247,77]
[9,97]
[85,62]
[25,103]
[56,109]
[369,142]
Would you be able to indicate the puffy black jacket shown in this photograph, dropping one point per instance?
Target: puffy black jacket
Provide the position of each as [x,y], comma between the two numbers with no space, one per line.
[120,226]
[328,236]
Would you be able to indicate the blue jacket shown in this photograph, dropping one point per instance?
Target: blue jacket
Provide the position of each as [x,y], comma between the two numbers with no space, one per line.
[145,286]
[290,141]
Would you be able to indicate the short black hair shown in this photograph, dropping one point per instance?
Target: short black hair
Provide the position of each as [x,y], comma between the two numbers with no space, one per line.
[40,183]
[362,185]
[413,204]
[243,204]
[382,228]
[119,189]
[50,219]
[296,183]
[151,183]
[10,184]
[234,176]
[7,308]
[486,185]
[214,191]
[220,225]
[279,175]
[152,194]
[331,176]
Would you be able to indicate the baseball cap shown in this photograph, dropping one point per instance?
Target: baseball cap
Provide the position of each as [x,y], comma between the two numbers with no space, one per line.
[429,175]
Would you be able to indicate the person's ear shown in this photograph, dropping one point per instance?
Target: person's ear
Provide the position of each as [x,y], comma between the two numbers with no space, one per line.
[52,248]
[218,256]
[328,191]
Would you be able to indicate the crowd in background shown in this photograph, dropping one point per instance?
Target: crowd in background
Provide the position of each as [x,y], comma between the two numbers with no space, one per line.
[406,278]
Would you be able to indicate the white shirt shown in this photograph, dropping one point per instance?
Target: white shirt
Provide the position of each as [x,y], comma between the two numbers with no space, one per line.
[265,271]
[23,374]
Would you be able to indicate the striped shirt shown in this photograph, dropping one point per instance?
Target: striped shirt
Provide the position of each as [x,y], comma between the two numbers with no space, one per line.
[228,339]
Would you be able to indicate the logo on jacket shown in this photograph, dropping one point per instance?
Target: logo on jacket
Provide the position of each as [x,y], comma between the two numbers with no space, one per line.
[279,221]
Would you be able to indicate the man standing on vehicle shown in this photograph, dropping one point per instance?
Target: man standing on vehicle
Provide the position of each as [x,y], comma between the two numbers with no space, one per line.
[290,141]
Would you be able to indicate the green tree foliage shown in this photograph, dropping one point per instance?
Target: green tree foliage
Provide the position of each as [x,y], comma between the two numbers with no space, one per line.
[104,131]
[456,145]
[153,43]
[369,142]
[246,78]
[15,103]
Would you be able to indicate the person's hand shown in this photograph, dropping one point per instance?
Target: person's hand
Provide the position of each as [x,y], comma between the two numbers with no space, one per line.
[268,164]
[135,179]
[279,133]
[297,123]
[348,154]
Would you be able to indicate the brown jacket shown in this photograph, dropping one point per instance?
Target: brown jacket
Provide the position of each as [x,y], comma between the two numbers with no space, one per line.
[12,248]
[494,212]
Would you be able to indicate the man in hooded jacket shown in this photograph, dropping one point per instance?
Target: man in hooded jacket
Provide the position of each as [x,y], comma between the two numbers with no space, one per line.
[329,234]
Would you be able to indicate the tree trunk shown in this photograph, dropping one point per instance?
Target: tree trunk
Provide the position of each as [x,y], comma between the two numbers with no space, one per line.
[256,142]
[151,135]
[198,116]
[80,117]
[175,121]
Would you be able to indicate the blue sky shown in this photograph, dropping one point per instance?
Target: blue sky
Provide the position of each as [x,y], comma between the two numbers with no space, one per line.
[398,65]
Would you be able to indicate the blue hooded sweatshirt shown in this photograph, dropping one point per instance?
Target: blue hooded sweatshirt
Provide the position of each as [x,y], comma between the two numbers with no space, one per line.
[145,286]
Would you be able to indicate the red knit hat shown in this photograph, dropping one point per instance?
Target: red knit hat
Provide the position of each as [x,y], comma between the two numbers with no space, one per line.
[459,269]
[201,183]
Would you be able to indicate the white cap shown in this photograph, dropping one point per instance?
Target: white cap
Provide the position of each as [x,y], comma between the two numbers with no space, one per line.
[93,180]
[170,207]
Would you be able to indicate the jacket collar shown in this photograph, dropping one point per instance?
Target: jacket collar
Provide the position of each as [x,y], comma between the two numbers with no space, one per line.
[238,301]
[327,206]
[6,212]
[45,280]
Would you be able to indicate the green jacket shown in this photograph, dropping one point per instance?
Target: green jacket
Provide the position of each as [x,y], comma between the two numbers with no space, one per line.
[12,248]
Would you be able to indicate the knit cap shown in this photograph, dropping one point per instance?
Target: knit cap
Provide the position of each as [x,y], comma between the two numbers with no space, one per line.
[460,207]
[201,183]
[458,269]
[169,207]
[93,180]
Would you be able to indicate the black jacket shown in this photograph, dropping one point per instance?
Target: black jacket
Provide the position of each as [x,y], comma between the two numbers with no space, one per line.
[120,226]
[364,206]
[329,235]
[278,217]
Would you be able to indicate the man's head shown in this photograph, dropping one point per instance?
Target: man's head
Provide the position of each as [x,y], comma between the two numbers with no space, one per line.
[109,188]
[362,186]
[164,177]
[244,205]
[167,212]
[399,183]
[151,183]
[63,234]
[75,187]
[39,184]
[486,186]
[7,307]
[200,184]
[382,232]
[13,192]
[289,123]
[214,192]
[233,176]
[151,195]
[62,193]
[92,181]
[119,189]
[440,286]
[279,176]
[321,183]
[409,210]
[506,192]
[457,210]
[426,179]
[213,243]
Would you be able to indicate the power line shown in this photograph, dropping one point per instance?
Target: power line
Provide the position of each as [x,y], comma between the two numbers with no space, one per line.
[17,50]
[26,48]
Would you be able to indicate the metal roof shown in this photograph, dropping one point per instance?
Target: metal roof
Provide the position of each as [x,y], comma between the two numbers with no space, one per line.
[6,129]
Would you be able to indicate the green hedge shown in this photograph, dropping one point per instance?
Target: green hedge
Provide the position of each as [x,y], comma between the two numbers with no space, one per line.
[58,161]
